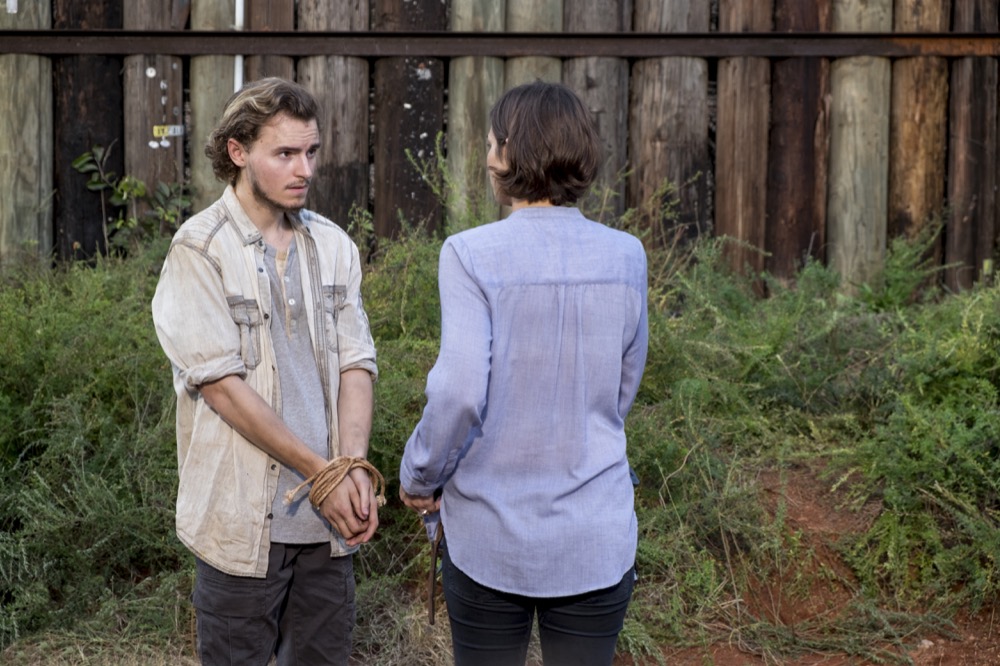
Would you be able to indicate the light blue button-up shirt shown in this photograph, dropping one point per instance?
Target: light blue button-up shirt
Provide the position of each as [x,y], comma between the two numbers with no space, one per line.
[543,343]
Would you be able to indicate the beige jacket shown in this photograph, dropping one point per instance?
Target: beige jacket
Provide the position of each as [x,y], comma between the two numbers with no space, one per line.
[211,311]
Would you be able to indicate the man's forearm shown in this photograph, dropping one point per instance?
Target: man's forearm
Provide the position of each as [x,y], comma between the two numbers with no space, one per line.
[354,412]
[243,409]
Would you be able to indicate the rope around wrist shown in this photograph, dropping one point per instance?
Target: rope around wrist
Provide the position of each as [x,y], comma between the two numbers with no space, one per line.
[324,481]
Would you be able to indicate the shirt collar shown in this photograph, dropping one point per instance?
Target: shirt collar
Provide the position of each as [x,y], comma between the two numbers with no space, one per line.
[247,229]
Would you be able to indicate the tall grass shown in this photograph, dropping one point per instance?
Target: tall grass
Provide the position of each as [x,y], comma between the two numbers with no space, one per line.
[891,393]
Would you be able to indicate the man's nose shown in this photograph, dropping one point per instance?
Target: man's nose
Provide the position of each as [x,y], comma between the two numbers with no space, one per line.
[305,166]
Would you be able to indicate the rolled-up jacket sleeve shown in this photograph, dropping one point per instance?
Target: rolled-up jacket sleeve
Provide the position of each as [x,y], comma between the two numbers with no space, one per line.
[195,322]
[354,337]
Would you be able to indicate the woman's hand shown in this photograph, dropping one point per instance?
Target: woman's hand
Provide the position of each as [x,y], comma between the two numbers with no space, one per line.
[422,504]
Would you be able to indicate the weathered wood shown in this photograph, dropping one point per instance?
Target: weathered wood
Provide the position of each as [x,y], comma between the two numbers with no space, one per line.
[859,149]
[213,80]
[970,238]
[598,15]
[533,16]
[270,15]
[409,117]
[474,85]
[919,121]
[26,141]
[799,146]
[88,112]
[154,98]
[744,107]
[341,87]
[602,84]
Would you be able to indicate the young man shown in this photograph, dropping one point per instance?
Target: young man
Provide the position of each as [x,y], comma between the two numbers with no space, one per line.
[259,310]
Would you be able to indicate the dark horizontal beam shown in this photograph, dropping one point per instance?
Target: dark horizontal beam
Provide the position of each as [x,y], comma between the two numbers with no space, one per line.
[452,44]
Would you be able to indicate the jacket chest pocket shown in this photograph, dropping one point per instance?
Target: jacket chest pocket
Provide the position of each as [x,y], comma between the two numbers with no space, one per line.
[246,315]
[334,297]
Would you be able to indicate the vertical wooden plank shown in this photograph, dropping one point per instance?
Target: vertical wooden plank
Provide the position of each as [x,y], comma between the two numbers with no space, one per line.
[669,124]
[270,15]
[799,146]
[918,124]
[212,83]
[533,16]
[857,206]
[88,112]
[26,140]
[154,98]
[474,85]
[341,87]
[602,84]
[742,139]
[409,116]
[970,238]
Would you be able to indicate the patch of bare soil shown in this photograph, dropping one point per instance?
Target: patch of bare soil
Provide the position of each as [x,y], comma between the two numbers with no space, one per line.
[812,509]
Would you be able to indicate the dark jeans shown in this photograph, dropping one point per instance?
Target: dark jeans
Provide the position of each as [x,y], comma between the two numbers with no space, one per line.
[303,611]
[492,628]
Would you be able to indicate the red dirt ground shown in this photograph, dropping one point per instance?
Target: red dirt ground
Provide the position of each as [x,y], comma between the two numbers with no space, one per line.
[811,508]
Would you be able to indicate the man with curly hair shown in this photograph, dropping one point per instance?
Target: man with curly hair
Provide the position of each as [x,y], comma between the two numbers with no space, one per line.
[259,310]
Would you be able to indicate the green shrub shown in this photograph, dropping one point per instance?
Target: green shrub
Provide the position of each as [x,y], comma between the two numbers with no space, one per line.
[87,460]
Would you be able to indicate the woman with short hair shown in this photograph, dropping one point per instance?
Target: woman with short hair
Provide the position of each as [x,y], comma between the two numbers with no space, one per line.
[521,445]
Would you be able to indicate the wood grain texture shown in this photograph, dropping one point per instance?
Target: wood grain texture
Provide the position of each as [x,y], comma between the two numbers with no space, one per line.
[154,97]
[973,171]
[474,85]
[919,124]
[798,147]
[409,116]
[213,81]
[88,112]
[744,109]
[859,164]
[26,144]
[270,15]
[857,206]
[603,85]
[342,88]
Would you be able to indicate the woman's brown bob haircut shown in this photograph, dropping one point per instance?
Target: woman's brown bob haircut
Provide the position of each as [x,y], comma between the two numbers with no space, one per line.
[549,142]
[249,109]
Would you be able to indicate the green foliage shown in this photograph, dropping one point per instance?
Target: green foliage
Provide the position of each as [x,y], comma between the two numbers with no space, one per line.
[932,456]
[141,213]
[87,462]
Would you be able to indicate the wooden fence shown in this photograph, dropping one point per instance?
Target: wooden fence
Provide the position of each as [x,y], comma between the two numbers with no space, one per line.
[795,152]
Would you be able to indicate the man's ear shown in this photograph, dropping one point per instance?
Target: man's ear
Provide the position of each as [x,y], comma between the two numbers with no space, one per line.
[237,153]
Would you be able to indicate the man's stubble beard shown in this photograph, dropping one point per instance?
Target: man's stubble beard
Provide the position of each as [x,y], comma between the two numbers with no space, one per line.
[262,198]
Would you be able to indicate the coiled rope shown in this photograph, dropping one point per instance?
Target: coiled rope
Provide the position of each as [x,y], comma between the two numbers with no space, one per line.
[324,481]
